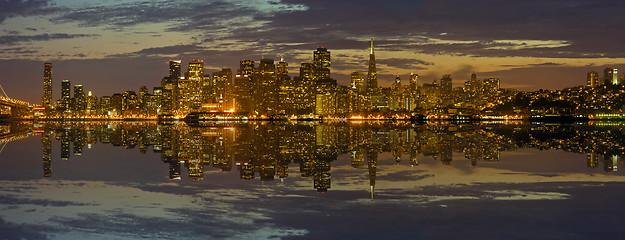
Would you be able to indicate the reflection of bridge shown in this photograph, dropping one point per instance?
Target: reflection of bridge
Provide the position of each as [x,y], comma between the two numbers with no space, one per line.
[13,108]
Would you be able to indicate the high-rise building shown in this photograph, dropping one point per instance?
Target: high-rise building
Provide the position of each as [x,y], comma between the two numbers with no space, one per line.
[174,68]
[592,79]
[372,75]
[79,99]
[46,100]
[610,76]
[321,64]
[190,88]
[414,82]
[222,88]
[358,82]
[265,88]
[66,92]
[446,89]
[246,67]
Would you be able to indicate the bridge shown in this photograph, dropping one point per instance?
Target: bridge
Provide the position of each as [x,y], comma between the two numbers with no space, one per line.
[13,108]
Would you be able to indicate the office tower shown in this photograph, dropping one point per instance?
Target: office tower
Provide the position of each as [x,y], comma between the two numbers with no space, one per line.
[104,106]
[190,87]
[282,68]
[79,99]
[65,95]
[446,89]
[241,94]
[396,95]
[358,82]
[592,79]
[91,104]
[287,89]
[174,68]
[143,91]
[321,64]
[46,100]
[372,76]
[115,105]
[265,88]
[414,82]
[246,67]
[222,88]
[610,76]
[130,101]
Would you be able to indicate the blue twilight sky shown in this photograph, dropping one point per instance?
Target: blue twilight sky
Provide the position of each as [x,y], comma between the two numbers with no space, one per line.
[114,46]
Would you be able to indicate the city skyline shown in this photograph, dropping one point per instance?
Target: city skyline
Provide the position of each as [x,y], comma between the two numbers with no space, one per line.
[528,45]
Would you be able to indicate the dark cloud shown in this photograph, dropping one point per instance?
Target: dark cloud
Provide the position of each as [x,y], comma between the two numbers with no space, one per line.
[405,63]
[17,39]
[14,8]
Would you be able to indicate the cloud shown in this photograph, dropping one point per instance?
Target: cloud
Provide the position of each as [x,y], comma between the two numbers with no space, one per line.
[406,63]
[14,8]
[16,39]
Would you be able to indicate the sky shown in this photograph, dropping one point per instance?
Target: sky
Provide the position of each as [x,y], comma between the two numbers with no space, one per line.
[118,45]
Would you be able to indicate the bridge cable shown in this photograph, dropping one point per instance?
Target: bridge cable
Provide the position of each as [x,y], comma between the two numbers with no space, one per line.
[5,94]
[5,144]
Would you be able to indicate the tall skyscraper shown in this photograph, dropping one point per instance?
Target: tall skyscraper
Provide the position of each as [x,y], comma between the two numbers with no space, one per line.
[414,82]
[46,100]
[592,79]
[65,94]
[372,75]
[321,64]
[446,89]
[79,99]
[246,67]
[358,82]
[615,77]
[190,88]
[174,68]
[222,88]
[265,88]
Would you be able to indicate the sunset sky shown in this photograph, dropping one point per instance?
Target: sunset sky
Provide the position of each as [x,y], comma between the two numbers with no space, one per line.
[118,45]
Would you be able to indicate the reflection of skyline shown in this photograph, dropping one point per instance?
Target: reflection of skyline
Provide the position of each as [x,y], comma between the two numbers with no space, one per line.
[264,151]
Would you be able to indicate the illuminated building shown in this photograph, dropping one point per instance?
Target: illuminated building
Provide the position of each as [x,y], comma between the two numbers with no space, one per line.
[105,105]
[79,99]
[288,90]
[429,95]
[610,76]
[241,94]
[265,88]
[325,103]
[246,67]
[592,79]
[321,64]
[46,100]
[222,88]
[446,90]
[65,95]
[358,82]
[372,76]
[396,98]
[190,88]
[115,106]
[91,104]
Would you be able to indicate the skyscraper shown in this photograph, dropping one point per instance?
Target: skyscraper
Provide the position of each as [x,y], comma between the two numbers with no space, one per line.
[321,64]
[222,88]
[65,94]
[246,67]
[46,100]
[446,88]
[265,88]
[79,99]
[174,68]
[592,79]
[358,82]
[372,76]
[190,88]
